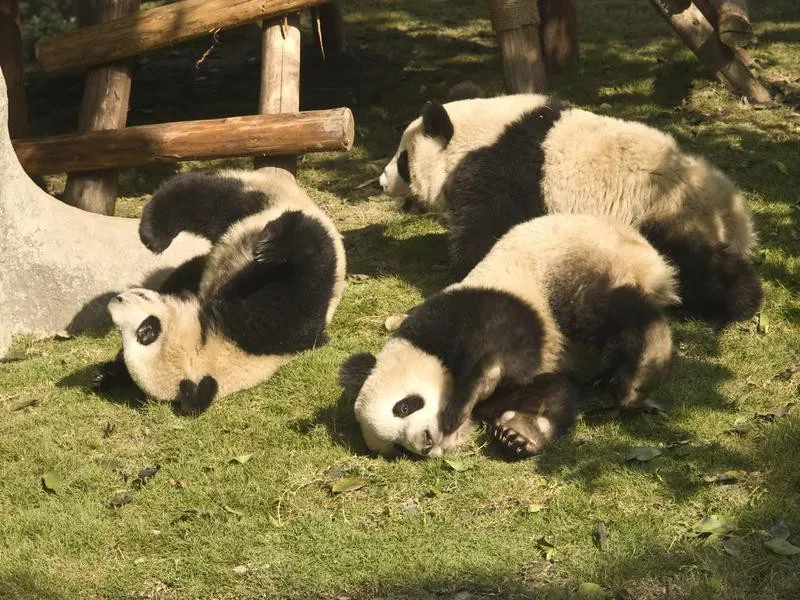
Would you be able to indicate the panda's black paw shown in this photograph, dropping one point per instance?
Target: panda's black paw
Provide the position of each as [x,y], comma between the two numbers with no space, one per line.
[193,399]
[518,434]
[110,375]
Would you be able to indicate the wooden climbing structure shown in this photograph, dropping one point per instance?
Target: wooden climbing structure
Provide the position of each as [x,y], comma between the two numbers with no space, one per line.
[119,31]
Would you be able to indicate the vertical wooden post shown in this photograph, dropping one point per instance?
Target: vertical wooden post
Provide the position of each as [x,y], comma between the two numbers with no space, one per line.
[516,23]
[328,22]
[698,34]
[106,94]
[559,33]
[280,78]
[11,63]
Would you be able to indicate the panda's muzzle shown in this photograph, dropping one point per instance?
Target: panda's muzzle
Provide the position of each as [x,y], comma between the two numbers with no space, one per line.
[427,443]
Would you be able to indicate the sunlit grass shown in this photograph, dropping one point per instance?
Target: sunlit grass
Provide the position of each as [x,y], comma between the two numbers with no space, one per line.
[204,528]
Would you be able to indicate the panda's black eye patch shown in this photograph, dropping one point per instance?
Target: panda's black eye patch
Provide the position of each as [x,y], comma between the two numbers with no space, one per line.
[402,166]
[406,406]
[148,331]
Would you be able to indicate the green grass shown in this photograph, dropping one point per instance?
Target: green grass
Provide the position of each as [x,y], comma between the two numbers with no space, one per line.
[419,529]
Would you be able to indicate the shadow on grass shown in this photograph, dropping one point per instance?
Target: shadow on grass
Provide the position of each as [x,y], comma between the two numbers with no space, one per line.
[125,395]
[420,260]
[24,584]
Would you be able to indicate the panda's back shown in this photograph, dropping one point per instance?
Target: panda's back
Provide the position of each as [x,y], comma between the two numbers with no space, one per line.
[536,256]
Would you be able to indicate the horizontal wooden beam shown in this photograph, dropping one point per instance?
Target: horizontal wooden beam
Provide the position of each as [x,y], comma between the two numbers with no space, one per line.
[258,135]
[149,30]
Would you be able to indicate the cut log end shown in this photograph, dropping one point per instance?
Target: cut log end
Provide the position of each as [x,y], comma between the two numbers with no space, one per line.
[735,32]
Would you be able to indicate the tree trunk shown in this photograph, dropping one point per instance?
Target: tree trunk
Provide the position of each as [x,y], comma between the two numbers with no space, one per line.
[106,94]
[329,31]
[559,33]
[11,63]
[516,23]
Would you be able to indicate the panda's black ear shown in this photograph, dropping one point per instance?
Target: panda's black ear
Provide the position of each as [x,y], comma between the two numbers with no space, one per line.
[355,370]
[436,122]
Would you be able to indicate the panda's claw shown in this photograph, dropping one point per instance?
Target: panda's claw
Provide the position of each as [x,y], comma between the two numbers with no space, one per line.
[513,442]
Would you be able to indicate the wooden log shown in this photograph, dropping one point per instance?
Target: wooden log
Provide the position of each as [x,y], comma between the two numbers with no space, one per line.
[733,23]
[328,23]
[698,34]
[710,13]
[280,79]
[11,63]
[310,131]
[516,24]
[149,30]
[558,31]
[106,93]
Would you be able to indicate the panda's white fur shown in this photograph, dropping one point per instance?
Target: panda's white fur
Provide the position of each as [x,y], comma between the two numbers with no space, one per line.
[267,290]
[480,122]
[491,163]
[532,263]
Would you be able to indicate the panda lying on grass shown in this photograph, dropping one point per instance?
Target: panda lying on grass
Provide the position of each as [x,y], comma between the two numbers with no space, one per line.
[492,163]
[496,347]
[227,321]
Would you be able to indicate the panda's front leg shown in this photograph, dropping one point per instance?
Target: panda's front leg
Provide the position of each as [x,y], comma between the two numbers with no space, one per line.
[524,419]
[112,374]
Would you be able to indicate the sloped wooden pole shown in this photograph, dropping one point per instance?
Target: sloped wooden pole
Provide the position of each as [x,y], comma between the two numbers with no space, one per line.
[106,94]
[11,63]
[155,28]
[699,35]
[280,79]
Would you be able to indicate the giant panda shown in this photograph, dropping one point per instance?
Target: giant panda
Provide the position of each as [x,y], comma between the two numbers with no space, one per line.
[491,163]
[501,345]
[266,291]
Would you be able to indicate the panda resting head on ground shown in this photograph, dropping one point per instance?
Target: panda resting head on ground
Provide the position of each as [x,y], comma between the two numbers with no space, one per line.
[497,346]
[491,163]
[266,291]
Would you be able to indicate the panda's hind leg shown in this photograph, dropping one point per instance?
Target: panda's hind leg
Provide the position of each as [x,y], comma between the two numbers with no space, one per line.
[636,347]
[524,419]
[717,284]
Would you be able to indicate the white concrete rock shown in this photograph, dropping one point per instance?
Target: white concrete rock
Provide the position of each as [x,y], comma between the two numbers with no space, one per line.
[59,265]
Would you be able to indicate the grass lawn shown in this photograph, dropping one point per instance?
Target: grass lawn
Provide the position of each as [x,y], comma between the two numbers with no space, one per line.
[271,527]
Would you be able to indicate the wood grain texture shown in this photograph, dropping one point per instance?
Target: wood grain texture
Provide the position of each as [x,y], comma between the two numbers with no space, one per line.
[523,63]
[733,22]
[558,30]
[106,93]
[280,79]
[155,28]
[699,35]
[311,131]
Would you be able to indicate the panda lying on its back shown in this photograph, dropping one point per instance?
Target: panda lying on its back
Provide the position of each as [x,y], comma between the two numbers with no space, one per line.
[495,162]
[497,345]
[267,290]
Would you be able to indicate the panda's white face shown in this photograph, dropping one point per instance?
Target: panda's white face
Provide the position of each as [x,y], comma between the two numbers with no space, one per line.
[142,316]
[401,399]
[418,167]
